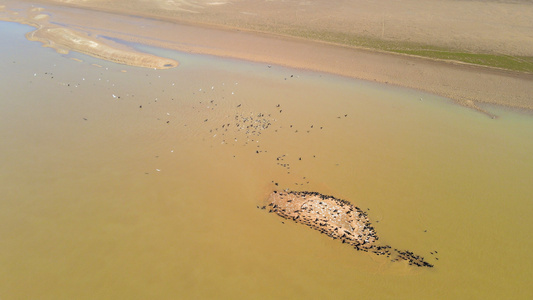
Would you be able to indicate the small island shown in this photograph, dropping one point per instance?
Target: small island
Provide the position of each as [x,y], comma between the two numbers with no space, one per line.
[338,219]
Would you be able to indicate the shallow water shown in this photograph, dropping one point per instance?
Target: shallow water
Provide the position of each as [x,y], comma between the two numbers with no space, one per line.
[104,199]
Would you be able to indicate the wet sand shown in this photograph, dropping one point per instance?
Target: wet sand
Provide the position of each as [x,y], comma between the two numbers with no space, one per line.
[468,85]
[63,40]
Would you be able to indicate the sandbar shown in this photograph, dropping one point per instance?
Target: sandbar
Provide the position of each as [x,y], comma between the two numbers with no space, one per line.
[338,219]
[64,39]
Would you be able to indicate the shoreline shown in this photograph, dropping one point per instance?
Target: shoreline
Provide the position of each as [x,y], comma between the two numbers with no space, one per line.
[466,84]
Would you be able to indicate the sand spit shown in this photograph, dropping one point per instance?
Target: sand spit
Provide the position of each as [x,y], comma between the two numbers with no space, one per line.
[64,39]
[338,219]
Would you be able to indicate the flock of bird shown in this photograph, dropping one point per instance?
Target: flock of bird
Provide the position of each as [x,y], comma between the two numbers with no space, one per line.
[339,220]
[237,125]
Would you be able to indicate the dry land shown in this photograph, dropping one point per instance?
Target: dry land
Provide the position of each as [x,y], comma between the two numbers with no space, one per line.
[473,52]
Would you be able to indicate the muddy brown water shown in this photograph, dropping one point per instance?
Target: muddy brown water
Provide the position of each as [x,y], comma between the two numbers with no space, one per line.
[101,198]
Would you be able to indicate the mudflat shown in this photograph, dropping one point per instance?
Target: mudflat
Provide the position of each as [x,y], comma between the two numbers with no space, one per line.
[259,31]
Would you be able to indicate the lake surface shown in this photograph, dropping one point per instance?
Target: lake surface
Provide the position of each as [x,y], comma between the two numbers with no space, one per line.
[131,183]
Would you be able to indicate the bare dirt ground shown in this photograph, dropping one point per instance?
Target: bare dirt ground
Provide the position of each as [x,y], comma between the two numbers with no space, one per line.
[229,29]
[494,26]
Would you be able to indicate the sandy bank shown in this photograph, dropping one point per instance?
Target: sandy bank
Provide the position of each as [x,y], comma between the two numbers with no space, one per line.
[467,84]
[64,39]
[492,26]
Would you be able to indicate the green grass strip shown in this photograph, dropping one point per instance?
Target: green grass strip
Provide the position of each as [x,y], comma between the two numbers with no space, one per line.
[508,62]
